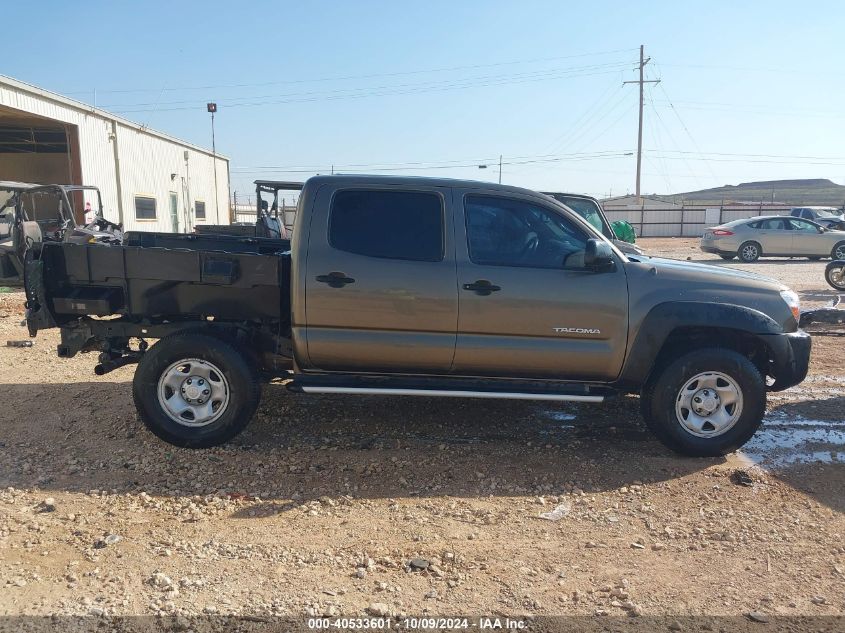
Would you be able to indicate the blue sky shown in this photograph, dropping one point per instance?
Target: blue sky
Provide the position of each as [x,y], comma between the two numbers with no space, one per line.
[750,90]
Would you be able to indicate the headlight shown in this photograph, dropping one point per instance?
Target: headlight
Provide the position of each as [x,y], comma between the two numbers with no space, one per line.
[792,301]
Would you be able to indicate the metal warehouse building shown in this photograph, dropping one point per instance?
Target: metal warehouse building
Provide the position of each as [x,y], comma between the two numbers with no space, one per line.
[149,181]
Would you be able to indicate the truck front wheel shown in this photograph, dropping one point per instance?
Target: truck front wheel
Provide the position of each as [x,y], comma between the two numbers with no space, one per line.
[195,390]
[707,403]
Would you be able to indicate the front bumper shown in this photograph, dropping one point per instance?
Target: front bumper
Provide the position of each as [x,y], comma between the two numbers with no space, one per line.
[790,358]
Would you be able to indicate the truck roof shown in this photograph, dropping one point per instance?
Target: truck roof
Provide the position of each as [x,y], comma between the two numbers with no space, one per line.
[427,181]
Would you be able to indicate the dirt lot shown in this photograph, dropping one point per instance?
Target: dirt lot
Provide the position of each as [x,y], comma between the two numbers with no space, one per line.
[319,507]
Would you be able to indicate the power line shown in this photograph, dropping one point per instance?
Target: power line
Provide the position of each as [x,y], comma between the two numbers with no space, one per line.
[754,160]
[658,143]
[752,69]
[364,76]
[507,76]
[577,133]
[759,155]
[741,108]
[414,166]
[684,126]
[359,93]
[613,124]
[589,112]
[661,154]
[661,122]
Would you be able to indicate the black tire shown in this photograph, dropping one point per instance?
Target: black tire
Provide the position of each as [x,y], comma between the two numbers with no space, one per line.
[834,275]
[727,257]
[749,251]
[660,395]
[239,376]
[838,251]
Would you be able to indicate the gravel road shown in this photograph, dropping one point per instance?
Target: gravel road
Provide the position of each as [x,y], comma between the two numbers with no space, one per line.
[333,505]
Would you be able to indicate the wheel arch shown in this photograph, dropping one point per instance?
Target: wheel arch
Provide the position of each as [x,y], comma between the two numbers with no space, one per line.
[673,328]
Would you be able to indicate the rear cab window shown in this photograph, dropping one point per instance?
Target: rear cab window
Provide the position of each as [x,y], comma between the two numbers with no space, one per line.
[388,224]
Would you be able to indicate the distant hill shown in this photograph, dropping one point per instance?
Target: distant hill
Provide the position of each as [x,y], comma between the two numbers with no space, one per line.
[814,191]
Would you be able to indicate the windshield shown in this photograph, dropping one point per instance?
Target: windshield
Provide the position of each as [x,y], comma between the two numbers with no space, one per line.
[587,209]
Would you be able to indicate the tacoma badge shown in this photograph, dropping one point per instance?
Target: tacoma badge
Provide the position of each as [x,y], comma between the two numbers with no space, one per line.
[577,330]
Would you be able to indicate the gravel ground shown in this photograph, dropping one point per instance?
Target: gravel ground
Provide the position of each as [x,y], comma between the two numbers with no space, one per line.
[322,506]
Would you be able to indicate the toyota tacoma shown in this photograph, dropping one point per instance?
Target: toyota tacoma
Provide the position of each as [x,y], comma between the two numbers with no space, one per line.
[426,287]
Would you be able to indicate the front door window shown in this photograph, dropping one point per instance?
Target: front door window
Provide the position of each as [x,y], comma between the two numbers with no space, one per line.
[510,232]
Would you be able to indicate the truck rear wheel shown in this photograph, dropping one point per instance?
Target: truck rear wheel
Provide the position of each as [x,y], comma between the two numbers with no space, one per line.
[195,390]
[707,403]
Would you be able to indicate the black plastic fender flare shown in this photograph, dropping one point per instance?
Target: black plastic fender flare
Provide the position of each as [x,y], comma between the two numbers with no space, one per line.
[665,318]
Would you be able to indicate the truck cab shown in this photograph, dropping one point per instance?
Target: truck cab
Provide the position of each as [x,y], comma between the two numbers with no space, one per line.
[463,280]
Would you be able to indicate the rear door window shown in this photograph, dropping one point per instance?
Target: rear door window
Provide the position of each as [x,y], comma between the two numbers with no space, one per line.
[388,224]
[774,224]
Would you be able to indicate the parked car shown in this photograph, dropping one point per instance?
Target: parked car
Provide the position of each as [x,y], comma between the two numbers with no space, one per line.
[423,287]
[773,236]
[828,217]
[591,210]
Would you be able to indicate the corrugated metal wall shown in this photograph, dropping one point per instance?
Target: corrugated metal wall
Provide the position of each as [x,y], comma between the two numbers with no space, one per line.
[154,168]
[688,221]
[149,163]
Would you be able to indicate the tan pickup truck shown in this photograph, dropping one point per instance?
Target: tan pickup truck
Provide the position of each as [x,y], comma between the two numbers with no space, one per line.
[431,287]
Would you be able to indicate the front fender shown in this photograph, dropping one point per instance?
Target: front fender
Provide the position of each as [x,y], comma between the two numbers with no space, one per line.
[665,318]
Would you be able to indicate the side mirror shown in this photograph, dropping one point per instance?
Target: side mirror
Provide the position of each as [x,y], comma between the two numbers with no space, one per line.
[598,256]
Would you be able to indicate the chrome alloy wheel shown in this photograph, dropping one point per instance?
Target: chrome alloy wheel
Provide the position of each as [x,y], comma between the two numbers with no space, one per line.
[837,277]
[750,252]
[709,404]
[193,392]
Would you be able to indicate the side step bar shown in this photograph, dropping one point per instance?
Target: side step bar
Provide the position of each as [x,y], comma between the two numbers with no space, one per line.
[446,393]
[452,388]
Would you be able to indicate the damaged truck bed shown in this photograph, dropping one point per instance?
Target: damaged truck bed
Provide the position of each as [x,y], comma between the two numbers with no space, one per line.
[154,284]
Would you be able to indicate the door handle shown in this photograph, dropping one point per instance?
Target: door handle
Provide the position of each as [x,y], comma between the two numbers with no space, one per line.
[335,279]
[481,287]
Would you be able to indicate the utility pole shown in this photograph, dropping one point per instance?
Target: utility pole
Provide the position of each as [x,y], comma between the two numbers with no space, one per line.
[643,61]
[212,108]
[500,169]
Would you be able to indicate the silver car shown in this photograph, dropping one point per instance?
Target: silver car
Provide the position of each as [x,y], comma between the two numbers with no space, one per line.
[773,236]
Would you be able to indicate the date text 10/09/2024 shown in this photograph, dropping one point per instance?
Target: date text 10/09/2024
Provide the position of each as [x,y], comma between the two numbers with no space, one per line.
[376,624]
